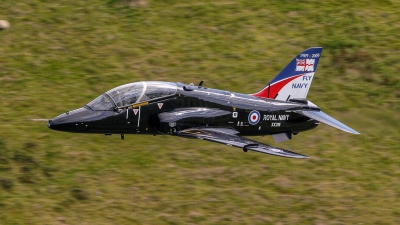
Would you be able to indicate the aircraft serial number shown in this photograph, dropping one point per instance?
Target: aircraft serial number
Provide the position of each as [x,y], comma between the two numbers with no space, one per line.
[275,124]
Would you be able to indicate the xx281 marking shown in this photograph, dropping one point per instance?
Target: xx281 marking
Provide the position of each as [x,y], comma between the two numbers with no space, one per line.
[275,124]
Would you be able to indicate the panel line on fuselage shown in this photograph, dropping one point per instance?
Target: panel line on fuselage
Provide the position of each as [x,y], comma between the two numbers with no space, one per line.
[138,122]
[244,100]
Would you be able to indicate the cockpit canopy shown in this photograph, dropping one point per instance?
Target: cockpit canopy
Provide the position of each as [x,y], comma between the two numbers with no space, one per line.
[132,93]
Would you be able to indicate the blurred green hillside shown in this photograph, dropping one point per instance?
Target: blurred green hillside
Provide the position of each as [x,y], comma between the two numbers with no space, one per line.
[58,56]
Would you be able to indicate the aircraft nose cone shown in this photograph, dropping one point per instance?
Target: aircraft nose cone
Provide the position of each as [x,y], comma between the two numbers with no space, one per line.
[49,124]
[67,121]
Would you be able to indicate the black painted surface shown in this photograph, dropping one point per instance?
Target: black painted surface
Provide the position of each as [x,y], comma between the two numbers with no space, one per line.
[198,107]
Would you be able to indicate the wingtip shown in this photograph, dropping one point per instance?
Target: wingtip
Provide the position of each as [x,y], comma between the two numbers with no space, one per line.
[303,157]
[352,132]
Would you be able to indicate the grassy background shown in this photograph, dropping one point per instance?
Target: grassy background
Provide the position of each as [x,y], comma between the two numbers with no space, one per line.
[59,56]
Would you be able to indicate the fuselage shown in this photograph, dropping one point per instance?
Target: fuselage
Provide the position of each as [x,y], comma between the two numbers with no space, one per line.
[188,106]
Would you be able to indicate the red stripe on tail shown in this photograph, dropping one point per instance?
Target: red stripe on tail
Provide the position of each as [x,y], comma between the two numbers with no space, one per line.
[274,88]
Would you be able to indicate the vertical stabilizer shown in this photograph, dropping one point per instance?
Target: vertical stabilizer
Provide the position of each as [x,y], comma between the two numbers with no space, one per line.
[295,79]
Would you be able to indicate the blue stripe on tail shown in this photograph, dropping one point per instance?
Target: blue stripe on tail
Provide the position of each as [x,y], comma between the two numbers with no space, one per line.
[304,63]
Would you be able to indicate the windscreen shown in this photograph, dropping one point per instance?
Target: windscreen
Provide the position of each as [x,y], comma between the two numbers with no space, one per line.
[103,102]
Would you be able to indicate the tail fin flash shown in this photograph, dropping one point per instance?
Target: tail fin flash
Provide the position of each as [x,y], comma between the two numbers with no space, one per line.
[295,79]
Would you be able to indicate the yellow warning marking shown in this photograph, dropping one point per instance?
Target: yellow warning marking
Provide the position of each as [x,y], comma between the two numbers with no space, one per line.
[140,104]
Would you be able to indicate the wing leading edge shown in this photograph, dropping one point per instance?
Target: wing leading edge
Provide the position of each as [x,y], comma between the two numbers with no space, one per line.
[229,137]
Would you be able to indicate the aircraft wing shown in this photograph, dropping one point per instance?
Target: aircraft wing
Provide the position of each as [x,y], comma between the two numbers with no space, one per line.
[229,137]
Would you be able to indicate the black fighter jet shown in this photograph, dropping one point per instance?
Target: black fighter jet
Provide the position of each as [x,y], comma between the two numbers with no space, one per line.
[280,109]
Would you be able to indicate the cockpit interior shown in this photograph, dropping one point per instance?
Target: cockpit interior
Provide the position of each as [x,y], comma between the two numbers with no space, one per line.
[132,93]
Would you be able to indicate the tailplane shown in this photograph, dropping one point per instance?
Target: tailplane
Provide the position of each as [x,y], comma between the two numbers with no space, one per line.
[326,119]
[295,79]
